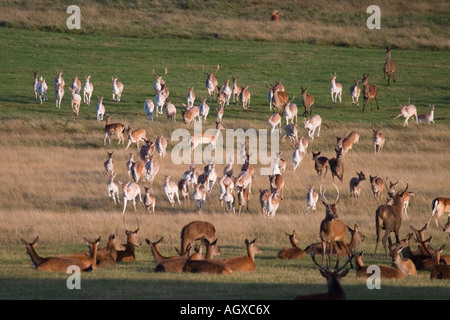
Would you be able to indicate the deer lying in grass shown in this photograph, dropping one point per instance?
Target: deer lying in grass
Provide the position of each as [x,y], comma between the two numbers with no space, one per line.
[406,266]
[157,254]
[408,111]
[386,272]
[196,230]
[294,252]
[244,263]
[439,271]
[355,185]
[133,241]
[418,258]
[335,290]
[208,264]
[107,256]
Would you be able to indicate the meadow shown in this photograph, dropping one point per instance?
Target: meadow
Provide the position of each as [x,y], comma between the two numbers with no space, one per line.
[54,185]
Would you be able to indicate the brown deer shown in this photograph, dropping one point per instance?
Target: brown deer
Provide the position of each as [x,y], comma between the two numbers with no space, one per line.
[293,252]
[440,270]
[321,163]
[377,185]
[244,263]
[277,184]
[196,230]
[418,258]
[243,198]
[107,256]
[378,140]
[264,197]
[355,185]
[308,102]
[386,272]
[114,129]
[335,290]
[337,165]
[406,266]
[439,206]
[157,254]
[389,66]
[208,265]
[133,241]
[346,143]
[370,92]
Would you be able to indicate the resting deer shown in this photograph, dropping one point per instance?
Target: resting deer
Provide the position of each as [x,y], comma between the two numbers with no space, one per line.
[406,266]
[439,271]
[389,66]
[386,272]
[133,241]
[244,263]
[294,252]
[107,256]
[208,264]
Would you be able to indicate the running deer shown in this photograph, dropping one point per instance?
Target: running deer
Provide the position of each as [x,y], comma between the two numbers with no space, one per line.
[264,196]
[190,114]
[130,191]
[133,241]
[135,135]
[219,114]
[183,188]
[386,272]
[427,117]
[336,89]
[272,204]
[221,97]
[244,263]
[76,84]
[207,137]
[377,185]
[100,110]
[149,108]
[308,102]
[335,290]
[212,83]
[59,94]
[229,200]
[87,90]
[171,111]
[236,90]
[290,131]
[297,156]
[337,165]
[159,83]
[389,218]
[117,89]
[138,171]
[151,168]
[75,101]
[346,143]
[59,79]
[228,91]
[277,184]
[408,111]
[170,190]
[194,231]
[160,101]
[290,111]
[54,263]
[355,185]
[389,66]
[41,89]
[161,146]
[439,206]
[370,92]
[274,121]
[313,123]
[109,164]
[203,109]
[378,140]
[113,189]
[149,201]
[114,129]
[245,96]
[311,199]
[200,196]
[294,252]
[243,198]
[355,91]
[321,163]
[190,97]
[406,266]
[279,98]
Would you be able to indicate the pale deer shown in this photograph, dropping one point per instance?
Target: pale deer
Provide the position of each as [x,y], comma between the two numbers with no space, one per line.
[236,90]
[59,79]
[109,164]
[190,114]
[159,82]
[151,168]
[199,197]
[378,140]
[76,84]
[221,97]
[196,230]
[228,169]
[313,123]
[135,135]
[114,129]
[59,94]
[219,114]
[227,90]
[272,204]
[336,89]
[225,183]
[406,266]
[370,92]
[41,89]
[389,66]
[274,121]
[243,196]
[206,138]
[190,98]
[294,252]
[346,143]
[290,111]
[100,110]
[171,111]
[160,100]
[133,241]
[297,156]
[244,263]
[171,190]
[229,200]
[427,117]
[161,145]
[245,97]
[337,165]
[290,131]
[389,218]
[138,171]
[311,199]
[149,201]
[439,206]
[113,189]
[355,185]
[377,185]
[386,272]
[117,89]
[355,92]
[149,108]
[308,102]
[35,83]
[335,290]
[321,163]
[75,101]
[88,89]
[203,109]
[408,111]
[212,83]
[130,191]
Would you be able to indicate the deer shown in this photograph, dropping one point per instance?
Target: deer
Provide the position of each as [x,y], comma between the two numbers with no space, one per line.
[203,109]
[277,184]
[355,92]
[160,101]
[117,89]
[208,264]
[321,163]
[135,135]
[149,201]
[378,140]
[275,15]
[88,88]
[290,131]
[113,189]
[41,89]
[151,168]
[427,117]
[130,191]
[237,89]
[100,110]
[294,252]
[370,92]
[170,190]
[279,98]
[89,259]
[59,79]
[245,97]
[229,200]
[297,156]
[389,218]
[206,138]
[439,271]
[196,230]
[183,189]
[264,196]
[190,98]
[161,145]
[76,84]
[336,89]
[389,66]
[35,83]
[243,196]
[346,143]
[313,123]
[290,111]
[219,113]
[418,258]
[274,121]
[107,256]
[109,164]
[133,241]
[337,165]
[75,101]
[212,83]
[190,114]
[114,129]
[159,83]
[244,263]
[221,97]
[199,196]
[439,206]
[408,111]
[171,111]
[53,263]
[308,102]
[355,185]
[138,171]
[157,254]
[335,290]
[377,185]
[272,205]
[386,272]
[406,266]
[149,108]
[407,198]
[311,199]
[59,94]
[228,91]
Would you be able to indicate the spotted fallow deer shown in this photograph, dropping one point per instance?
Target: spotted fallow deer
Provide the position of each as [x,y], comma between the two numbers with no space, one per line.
[336,89]
[212,83]
[130,191]
[408,111]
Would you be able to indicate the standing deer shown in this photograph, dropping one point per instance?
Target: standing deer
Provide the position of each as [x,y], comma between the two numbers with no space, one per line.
[370,92]
[311,199]
[377,185]
[190,98]
[100,109]
[378,140]
[117,89]
[149,201]
[336,89]
[212,83]
[244,263]
[355,185]
[149,108]
[200,196]
[135,135]
[75,101]
[355,92]
[41,89]
[408,111]
[236,90]
[109,165]
[87,90]
[439,206]
[427,117]
[243,197]
[272,204]
[113,189]
[294,252]
[196,230]
[35,83]
[264,196]
[389,67]
[245,96]
[337,165]
[76,84]
[321,163]
[308,102]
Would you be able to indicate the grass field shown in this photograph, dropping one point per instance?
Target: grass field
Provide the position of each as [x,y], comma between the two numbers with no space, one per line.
[53,182]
